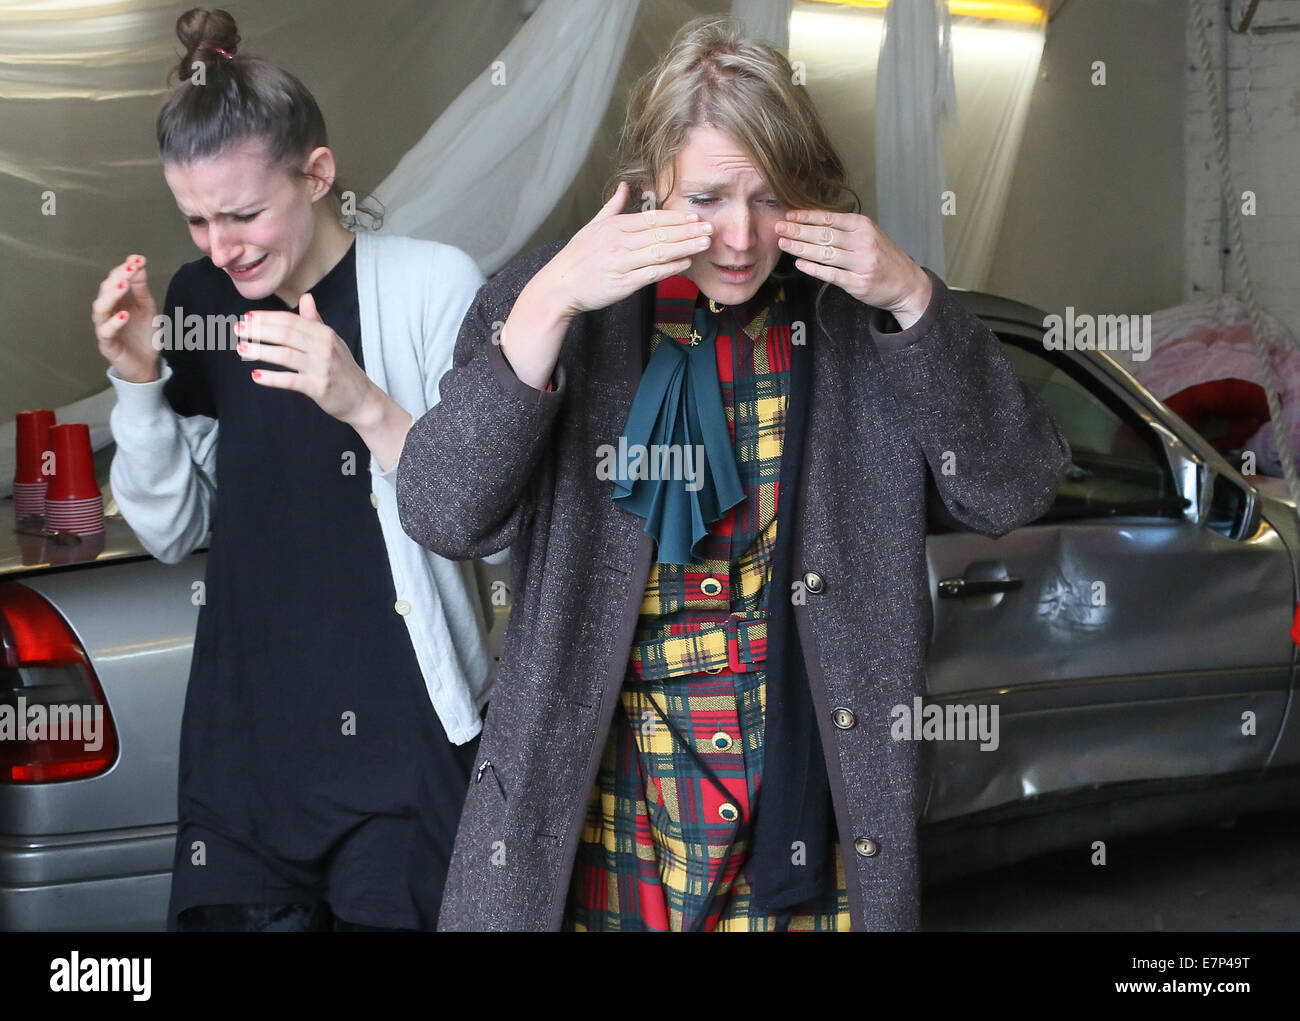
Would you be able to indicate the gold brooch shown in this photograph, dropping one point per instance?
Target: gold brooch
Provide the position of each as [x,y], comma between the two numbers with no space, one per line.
[715,307]
[695,338]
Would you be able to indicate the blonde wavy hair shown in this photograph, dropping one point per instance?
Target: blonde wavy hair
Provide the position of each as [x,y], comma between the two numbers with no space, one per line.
[712,74]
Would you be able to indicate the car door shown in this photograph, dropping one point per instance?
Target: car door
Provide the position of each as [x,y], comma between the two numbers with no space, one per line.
[1119,639]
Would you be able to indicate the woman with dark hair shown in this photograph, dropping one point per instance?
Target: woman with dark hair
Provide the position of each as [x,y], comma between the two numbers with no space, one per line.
[713,475]
[339,671]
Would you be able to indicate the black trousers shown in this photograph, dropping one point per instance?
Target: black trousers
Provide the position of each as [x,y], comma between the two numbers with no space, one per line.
[315,917]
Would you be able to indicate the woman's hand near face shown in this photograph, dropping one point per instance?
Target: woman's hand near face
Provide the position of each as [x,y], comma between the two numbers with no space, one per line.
[318,363]
[850,251]
[612,257]
[617,254]
[122,315]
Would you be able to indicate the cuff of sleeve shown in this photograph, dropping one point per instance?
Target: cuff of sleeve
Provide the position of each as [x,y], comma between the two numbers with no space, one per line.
[140,396]
[889,338]
[389,476]
[515,386]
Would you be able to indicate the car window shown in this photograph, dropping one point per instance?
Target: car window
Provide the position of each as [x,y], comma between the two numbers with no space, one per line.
[1119,465]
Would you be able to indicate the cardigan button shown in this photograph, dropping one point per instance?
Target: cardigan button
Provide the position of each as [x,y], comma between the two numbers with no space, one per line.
[710,586]
[812,582]
[722,740]
[374,500]
[865,846]
[728,811]
[844,718]
[402,607]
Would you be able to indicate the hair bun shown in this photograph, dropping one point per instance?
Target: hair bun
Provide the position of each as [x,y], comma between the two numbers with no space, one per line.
[202,32]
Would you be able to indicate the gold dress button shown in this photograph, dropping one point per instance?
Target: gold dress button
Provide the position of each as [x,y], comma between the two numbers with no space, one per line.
[402,607]
[710,586]
[722,741]
[865,846]
[374,500]
[812,582]
[844,718]
[728,811]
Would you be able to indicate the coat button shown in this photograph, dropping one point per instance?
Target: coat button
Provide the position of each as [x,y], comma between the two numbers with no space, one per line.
[374,500]
[728,811]
[722,741]
[710,586]
[402,607]
[865,846]
[812,582]
[844,718]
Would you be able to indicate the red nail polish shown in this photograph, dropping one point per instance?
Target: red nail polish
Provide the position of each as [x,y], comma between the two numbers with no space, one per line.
[120,285]
[257,373]
[121,315]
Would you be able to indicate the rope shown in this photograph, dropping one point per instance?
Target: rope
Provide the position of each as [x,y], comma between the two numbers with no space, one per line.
[1237,244]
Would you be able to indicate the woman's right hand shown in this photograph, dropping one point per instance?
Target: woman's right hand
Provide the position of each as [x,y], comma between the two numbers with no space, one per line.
[617,254]
[612,257]
[122,314]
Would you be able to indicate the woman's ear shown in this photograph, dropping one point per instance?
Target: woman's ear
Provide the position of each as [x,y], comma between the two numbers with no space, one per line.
[320,166]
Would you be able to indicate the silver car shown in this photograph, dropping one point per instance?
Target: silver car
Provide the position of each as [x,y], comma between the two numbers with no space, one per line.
[1134,641]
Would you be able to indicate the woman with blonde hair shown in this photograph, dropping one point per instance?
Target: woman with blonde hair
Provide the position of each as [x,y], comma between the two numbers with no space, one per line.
[707,430]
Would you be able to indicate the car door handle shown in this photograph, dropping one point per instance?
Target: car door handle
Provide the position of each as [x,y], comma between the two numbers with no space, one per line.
[964,588]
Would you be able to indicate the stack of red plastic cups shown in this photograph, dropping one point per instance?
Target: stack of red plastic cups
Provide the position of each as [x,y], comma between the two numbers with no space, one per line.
[30,480]
[73,502]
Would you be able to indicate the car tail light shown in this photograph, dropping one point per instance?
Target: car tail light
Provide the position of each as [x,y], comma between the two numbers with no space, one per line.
[54,721]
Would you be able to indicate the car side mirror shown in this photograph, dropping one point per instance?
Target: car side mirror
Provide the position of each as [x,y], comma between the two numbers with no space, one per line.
[1215,498]
[1230,508]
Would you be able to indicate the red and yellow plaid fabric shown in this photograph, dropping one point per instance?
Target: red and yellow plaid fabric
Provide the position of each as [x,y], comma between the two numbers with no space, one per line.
[664,844]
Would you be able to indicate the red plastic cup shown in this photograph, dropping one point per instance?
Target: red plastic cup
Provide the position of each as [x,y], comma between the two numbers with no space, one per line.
[73,502]
[33,440]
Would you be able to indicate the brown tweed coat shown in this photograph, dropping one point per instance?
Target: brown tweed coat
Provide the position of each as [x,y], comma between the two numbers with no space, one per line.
[498,463]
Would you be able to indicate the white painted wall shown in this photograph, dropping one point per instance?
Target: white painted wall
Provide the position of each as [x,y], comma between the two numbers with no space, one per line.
[1263,117]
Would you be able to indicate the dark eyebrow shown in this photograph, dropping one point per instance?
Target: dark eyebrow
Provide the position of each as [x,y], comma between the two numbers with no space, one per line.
[237,211]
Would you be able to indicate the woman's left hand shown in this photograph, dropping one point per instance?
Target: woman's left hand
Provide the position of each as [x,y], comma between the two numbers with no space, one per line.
[319,362]
[850,251]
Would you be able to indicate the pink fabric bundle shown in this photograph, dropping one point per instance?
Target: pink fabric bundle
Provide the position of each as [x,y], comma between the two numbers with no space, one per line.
[1211,340]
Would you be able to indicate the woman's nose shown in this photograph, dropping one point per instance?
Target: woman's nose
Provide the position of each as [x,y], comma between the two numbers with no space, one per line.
[222,246]
[737,227]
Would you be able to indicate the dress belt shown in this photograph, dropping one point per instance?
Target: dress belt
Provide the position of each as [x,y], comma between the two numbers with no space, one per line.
[738,641]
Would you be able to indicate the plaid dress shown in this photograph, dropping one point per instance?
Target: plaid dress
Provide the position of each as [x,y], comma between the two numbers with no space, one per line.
[664,843]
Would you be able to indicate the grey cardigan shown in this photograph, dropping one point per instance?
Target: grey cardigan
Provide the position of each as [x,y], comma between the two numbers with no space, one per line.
[499,463]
